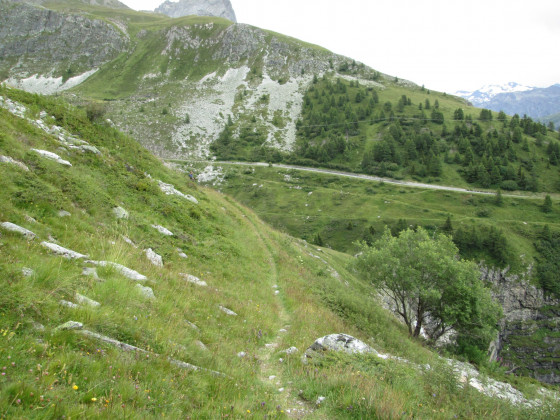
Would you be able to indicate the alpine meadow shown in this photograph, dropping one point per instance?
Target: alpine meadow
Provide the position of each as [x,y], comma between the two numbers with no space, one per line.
[203,219]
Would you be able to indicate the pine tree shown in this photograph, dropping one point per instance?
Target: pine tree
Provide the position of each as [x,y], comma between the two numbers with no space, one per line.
[447,226]
[547,205]
[499,200]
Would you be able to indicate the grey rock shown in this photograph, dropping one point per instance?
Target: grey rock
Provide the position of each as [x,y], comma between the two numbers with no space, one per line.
[129,347]
[8,159]
[70,325]
[338,342]
[125,271]
[241,354]
[68,304]
[217,8]
[194,280]
[146,291]
[120,213]
[112,341]
[291,350]
[30,219]
[169,189]
[90,271]
[66,253]
[52,156]
[162,230]
[85,301]
[128,241]
[227,311]
[153,257]
[12,227]
[64,213]
[38,326]
[193,326]
[201,345]
[27,272]
[320,399]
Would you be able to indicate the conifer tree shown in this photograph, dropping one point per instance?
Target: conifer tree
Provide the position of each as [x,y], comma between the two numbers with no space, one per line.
[547,205]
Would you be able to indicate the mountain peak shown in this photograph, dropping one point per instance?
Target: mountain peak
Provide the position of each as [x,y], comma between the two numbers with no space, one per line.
[481,96]
[218,8]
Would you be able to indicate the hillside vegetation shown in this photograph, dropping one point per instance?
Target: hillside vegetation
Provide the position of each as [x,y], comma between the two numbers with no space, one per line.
[186,360]
[408,132]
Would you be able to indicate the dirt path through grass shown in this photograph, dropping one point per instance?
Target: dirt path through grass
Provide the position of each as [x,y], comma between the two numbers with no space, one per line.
[270,374]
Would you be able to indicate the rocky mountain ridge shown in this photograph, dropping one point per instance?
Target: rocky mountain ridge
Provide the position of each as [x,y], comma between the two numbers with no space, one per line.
[38,41]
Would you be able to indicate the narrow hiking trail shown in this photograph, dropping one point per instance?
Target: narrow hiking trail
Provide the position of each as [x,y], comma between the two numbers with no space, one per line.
[271,370]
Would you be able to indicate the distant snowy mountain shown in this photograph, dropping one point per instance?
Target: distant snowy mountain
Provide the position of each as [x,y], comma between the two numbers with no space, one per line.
[542,104]
[486,93]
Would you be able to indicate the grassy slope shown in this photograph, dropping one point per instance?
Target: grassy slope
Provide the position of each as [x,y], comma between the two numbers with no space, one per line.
[229,247]
[342,210]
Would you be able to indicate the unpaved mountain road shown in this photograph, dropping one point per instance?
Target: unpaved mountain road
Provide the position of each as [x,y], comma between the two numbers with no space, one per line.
[410,184]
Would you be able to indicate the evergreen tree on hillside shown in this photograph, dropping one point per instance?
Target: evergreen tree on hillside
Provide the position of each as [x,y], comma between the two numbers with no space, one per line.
[547,204]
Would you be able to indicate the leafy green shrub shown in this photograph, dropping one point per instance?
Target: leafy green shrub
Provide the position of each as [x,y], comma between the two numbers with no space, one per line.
[509,185]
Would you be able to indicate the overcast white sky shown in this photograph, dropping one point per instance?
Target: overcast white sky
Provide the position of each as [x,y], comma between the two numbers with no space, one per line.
[446,45]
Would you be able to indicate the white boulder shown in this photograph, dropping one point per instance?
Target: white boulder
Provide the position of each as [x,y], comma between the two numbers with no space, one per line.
[194,280]
[66,253]
[12,227]
[153,257]
[146,291]
[52,156]
[162,230]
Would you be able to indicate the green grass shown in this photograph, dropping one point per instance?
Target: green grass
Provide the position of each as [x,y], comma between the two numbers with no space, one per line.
[342,210]
[50,373]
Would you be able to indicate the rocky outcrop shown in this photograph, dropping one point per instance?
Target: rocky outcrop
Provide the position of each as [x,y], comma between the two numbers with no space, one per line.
[337,342]
[529,337]
[217,8]
[34,39]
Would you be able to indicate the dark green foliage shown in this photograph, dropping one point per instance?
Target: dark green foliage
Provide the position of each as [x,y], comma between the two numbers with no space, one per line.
[547,204]
[447,227]
[423,276]
[475,242]
[548,262]
[485,115]
[95,111]
[499,200]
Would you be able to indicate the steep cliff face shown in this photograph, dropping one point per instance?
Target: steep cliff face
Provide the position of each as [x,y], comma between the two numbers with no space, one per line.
[217,8]
[529,338]
[37,40]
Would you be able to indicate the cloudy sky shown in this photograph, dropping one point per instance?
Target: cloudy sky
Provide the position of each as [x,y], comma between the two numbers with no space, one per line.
[446,45]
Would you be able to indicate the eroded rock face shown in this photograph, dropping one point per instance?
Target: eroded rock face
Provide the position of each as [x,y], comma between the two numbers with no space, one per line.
[217,8]
[528,340]
[34,33]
